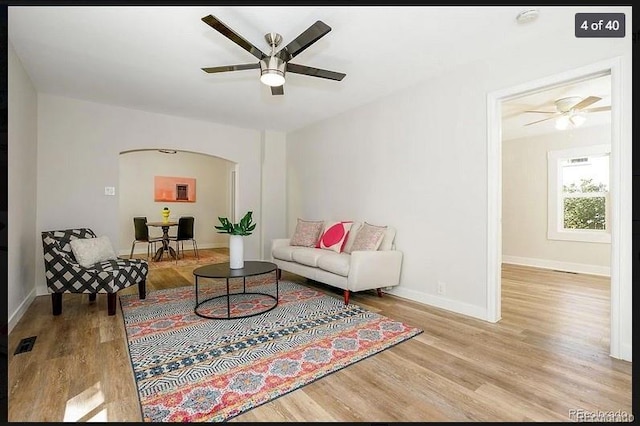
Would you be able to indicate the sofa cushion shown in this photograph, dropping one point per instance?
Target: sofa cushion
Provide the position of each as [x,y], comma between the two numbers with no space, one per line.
[307,233]
[369,237]
[336,263]
[284,252]
[308,256]
[334,236]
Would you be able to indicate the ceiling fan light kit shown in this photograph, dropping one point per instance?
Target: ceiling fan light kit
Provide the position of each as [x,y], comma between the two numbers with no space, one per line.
[274,66]
[272,71]
[571,119]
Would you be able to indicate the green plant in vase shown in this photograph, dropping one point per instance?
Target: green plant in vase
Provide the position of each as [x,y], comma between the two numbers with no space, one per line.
[244,227]
[236,231]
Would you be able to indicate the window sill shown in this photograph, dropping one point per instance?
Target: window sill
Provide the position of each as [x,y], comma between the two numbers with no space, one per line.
[580,236]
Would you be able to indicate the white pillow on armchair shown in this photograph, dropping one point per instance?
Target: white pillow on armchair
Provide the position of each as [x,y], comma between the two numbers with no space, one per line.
[89,251]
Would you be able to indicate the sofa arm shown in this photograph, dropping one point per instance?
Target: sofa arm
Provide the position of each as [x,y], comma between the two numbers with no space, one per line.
[374,269]
[280,242]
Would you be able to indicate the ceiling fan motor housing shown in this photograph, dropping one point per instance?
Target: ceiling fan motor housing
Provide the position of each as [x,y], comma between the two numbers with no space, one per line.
[567,104]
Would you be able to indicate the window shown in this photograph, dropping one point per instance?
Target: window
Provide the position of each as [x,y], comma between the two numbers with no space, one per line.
[579,194]
[182,192]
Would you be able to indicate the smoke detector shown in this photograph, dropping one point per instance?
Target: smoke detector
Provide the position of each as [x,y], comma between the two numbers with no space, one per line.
[527,16]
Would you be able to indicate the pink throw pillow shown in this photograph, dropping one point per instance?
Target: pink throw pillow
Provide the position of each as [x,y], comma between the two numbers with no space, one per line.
[334,236]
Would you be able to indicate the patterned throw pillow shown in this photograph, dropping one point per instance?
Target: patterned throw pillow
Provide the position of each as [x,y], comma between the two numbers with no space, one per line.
[89,251]
[307,233]
[334,236]
[369,237]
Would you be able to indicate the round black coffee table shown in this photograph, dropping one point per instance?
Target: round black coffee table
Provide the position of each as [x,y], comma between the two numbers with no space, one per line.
[222,270]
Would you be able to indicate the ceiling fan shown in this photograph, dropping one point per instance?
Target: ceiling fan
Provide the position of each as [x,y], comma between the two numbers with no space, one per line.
[274,65]
[570,111]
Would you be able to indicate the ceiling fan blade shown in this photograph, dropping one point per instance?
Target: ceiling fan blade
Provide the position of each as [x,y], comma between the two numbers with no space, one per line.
[277,90]
[225,68]
[598,109]
[544,119]
[315,72]
[304,40]
[217,25]
[542,112]
[586,102]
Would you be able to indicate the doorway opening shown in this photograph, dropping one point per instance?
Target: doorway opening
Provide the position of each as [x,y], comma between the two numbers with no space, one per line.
[618,199]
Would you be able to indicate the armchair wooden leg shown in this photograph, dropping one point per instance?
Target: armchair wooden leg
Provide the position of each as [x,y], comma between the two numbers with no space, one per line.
[56,303]
[142,289]
[379,290]
[92,297]
[346,297]
[111,303]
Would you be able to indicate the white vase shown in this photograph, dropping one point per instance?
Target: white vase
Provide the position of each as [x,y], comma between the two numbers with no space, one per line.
[236,252]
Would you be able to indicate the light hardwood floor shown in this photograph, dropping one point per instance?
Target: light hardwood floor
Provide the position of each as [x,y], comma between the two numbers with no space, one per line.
[546,360]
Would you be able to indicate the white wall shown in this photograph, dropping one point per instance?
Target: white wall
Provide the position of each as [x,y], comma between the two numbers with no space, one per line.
[79,144]
[136,196]
[274,207]
[524,204]
[417,160]
[21,213]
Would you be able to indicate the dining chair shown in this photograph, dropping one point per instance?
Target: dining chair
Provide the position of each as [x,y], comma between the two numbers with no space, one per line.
[142,235]
[185,233]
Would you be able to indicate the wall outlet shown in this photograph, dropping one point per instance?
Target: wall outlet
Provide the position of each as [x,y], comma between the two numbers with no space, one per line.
[109,190]
[442,288]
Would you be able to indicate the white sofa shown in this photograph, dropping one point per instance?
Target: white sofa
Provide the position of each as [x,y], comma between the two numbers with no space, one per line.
[357,271]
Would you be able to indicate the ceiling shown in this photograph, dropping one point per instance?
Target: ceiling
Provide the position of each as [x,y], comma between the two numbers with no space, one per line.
[150,57]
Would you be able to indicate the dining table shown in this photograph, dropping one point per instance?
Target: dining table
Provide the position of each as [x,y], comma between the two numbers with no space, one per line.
[165,247]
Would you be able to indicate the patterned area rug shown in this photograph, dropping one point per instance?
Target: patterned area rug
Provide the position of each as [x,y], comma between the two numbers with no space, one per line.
[189,368]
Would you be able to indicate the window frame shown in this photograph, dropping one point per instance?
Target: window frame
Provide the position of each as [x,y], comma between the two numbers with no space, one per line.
[555,215]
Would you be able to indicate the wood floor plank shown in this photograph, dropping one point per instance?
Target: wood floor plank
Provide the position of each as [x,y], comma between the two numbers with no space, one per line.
[547,356]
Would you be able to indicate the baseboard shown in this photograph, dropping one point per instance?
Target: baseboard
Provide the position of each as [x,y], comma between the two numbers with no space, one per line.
[580,268]
[15,317]
[626,351]
[441,302]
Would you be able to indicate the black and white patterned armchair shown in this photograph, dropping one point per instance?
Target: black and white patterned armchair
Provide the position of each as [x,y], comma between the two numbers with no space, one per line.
[65,275]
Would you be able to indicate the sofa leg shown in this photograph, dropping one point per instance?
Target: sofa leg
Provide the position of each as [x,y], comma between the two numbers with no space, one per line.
[111,303]
[56,303]
[346,297]
[142,289]
[92,297]
[379,290]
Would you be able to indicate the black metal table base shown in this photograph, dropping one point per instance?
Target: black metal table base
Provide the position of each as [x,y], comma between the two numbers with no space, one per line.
[229,296]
